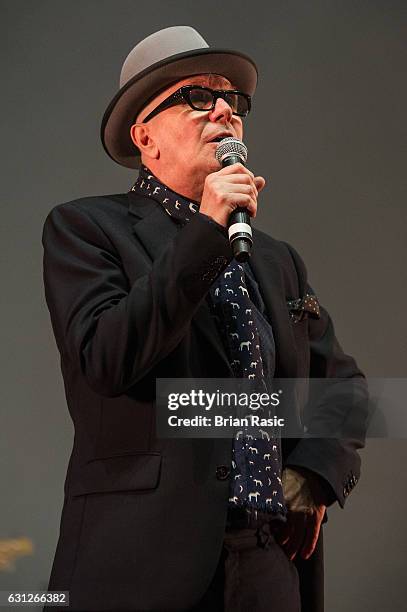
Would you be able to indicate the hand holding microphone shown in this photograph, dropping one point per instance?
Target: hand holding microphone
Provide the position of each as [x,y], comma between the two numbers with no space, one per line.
[230,195]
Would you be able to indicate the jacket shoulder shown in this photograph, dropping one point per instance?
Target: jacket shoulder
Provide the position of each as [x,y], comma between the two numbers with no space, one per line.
[283,251]
[93,218]
[94,205]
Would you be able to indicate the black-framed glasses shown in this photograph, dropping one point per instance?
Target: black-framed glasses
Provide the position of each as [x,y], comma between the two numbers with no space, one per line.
[204,99]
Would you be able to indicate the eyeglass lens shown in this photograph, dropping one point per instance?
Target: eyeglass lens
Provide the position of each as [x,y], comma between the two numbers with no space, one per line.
[203,99]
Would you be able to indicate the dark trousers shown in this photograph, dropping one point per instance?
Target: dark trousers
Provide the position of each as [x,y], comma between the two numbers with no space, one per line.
[253,574]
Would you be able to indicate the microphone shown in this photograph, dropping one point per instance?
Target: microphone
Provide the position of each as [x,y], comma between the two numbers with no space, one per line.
[232,151]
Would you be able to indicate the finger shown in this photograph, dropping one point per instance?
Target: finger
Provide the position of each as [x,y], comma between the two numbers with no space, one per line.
[282,535]
[238,179]
[296,537]
[311,537]
[245,188]
[243,201]
[287,530]
[260,182]
[235,169]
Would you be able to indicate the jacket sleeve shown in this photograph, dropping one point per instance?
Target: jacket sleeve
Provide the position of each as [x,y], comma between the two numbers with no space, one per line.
[118,332]
[335,459]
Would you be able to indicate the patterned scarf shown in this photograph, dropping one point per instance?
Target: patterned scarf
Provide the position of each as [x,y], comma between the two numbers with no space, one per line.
[255,482]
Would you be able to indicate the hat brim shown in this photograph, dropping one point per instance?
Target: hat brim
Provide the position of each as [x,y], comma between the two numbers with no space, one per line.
[238,68]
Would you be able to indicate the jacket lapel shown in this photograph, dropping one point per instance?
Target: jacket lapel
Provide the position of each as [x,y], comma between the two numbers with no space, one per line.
[155,229]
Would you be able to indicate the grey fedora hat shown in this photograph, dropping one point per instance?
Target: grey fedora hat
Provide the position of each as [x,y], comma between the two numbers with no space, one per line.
[156,62]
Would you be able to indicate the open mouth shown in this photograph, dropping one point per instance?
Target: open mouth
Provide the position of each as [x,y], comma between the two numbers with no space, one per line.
[219,138]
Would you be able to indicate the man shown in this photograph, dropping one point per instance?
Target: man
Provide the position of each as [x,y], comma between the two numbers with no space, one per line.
[134,285]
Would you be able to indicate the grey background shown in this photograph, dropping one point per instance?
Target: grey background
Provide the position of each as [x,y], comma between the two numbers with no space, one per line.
[328,133]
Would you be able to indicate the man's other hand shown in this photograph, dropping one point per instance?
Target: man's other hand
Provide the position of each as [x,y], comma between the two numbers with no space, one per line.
[304,499]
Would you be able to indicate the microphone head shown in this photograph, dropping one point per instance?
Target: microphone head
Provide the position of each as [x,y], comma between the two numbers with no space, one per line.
[231,147]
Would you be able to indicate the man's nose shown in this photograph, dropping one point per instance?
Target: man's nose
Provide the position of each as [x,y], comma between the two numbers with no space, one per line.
[222,111]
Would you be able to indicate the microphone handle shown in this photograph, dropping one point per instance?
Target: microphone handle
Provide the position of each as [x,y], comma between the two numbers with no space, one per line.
[239,228]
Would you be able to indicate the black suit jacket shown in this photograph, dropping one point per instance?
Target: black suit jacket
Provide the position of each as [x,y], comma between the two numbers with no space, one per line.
[143,518]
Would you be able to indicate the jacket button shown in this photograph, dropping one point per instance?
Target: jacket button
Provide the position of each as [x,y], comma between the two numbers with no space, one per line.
[222,472]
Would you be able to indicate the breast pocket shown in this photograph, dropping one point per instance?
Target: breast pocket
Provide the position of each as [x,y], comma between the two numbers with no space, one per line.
[301,308]
[129,472]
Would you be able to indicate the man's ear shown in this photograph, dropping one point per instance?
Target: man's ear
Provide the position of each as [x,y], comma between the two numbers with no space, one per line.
[141,136]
